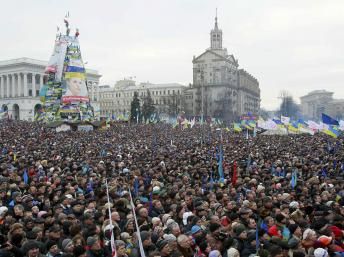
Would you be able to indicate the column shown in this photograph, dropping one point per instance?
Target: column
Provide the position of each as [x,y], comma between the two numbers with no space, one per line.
[7,85]
[98,92]
[13,85]
[25,85]
[19,85]
[41,76]
[1,86]
[92,90]
[33,85]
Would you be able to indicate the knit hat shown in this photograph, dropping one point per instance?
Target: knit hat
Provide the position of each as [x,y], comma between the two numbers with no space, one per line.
[66,243]
[91,241]
[308,232]
[214,253]
[29,245]
[169,237]
[3,210]
[119,243]
[239,229]
[145,235]
[320,252]
[292,228]
[161,244]
[49,244]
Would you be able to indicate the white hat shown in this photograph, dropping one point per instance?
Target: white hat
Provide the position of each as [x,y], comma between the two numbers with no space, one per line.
[155,220]
[169,237]
[186,215]
[108,227]
[125,170]
[3,210]
[320,252]
[260,188]
[169,222]
[69,196]
[294,205]
[156,188]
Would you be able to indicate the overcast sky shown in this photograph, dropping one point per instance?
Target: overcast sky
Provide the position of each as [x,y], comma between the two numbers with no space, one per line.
[297,45]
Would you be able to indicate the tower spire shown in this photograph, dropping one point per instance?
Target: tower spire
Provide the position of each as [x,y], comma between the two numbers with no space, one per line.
[216,20]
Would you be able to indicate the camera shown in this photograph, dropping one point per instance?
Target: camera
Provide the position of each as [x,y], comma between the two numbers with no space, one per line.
[221,236]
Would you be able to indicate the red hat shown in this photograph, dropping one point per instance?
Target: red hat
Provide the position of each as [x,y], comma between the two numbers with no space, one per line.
[273,231]
[338,233]
[325,240]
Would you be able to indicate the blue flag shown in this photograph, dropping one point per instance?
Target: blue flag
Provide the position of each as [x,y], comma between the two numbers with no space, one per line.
[150,203]
[26,177]
[294,179]
[328,120]
[324,172]
[211,181]
[136,187]
[11,204]
[257,239]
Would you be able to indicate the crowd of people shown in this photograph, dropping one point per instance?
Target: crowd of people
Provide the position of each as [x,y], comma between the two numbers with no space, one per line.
[279,196]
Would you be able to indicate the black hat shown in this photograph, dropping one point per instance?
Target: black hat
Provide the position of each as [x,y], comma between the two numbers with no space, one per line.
[292,228]
[161,244]
[145,235]
[31,244]
[49,244]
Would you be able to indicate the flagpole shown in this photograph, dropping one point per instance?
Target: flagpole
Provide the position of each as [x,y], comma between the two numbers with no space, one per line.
[113,246]
[137,226]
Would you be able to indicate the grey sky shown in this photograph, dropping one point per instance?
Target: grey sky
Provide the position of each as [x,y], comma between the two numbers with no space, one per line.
[295,45]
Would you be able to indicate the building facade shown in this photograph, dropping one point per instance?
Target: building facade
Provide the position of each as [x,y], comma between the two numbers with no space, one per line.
[220,89]
[321,101]
[115,101]
[21,80]
[314,103]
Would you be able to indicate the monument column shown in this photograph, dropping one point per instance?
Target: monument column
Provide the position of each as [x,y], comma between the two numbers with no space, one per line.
[41,76]
[7,85]
[92,90]
[33,84]
[1,87]
[13,85]
[25,85]
[19,85]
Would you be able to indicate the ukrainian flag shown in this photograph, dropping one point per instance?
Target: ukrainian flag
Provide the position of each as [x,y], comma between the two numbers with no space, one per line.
[332,131]
[294,126]
[237,127]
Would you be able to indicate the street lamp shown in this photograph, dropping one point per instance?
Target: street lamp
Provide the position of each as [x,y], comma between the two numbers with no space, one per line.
[202,107]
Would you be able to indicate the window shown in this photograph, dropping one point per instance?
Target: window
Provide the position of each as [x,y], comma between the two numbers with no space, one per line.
[168,92]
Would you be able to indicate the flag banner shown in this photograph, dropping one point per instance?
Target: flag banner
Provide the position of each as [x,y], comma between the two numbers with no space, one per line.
[329,120]
[285,120]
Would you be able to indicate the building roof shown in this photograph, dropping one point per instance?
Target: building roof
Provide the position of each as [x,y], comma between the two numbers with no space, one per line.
[317,92]
[31,61]
[142,86]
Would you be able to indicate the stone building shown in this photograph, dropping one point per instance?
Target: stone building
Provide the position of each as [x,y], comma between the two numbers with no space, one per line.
[314,103]
[20,82]
[220,89]
[167,98]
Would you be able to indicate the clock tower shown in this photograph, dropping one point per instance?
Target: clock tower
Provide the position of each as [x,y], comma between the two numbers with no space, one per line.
[216,36]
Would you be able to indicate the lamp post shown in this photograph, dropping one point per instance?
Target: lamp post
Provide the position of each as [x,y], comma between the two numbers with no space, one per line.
[202,107]
[137,115]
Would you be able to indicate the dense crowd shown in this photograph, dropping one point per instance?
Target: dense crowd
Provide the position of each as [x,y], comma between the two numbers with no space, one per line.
[279,195]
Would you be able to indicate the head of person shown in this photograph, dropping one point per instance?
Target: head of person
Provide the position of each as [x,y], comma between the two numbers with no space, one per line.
[184,241]
[164,248]
[120,248]
[75,85]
